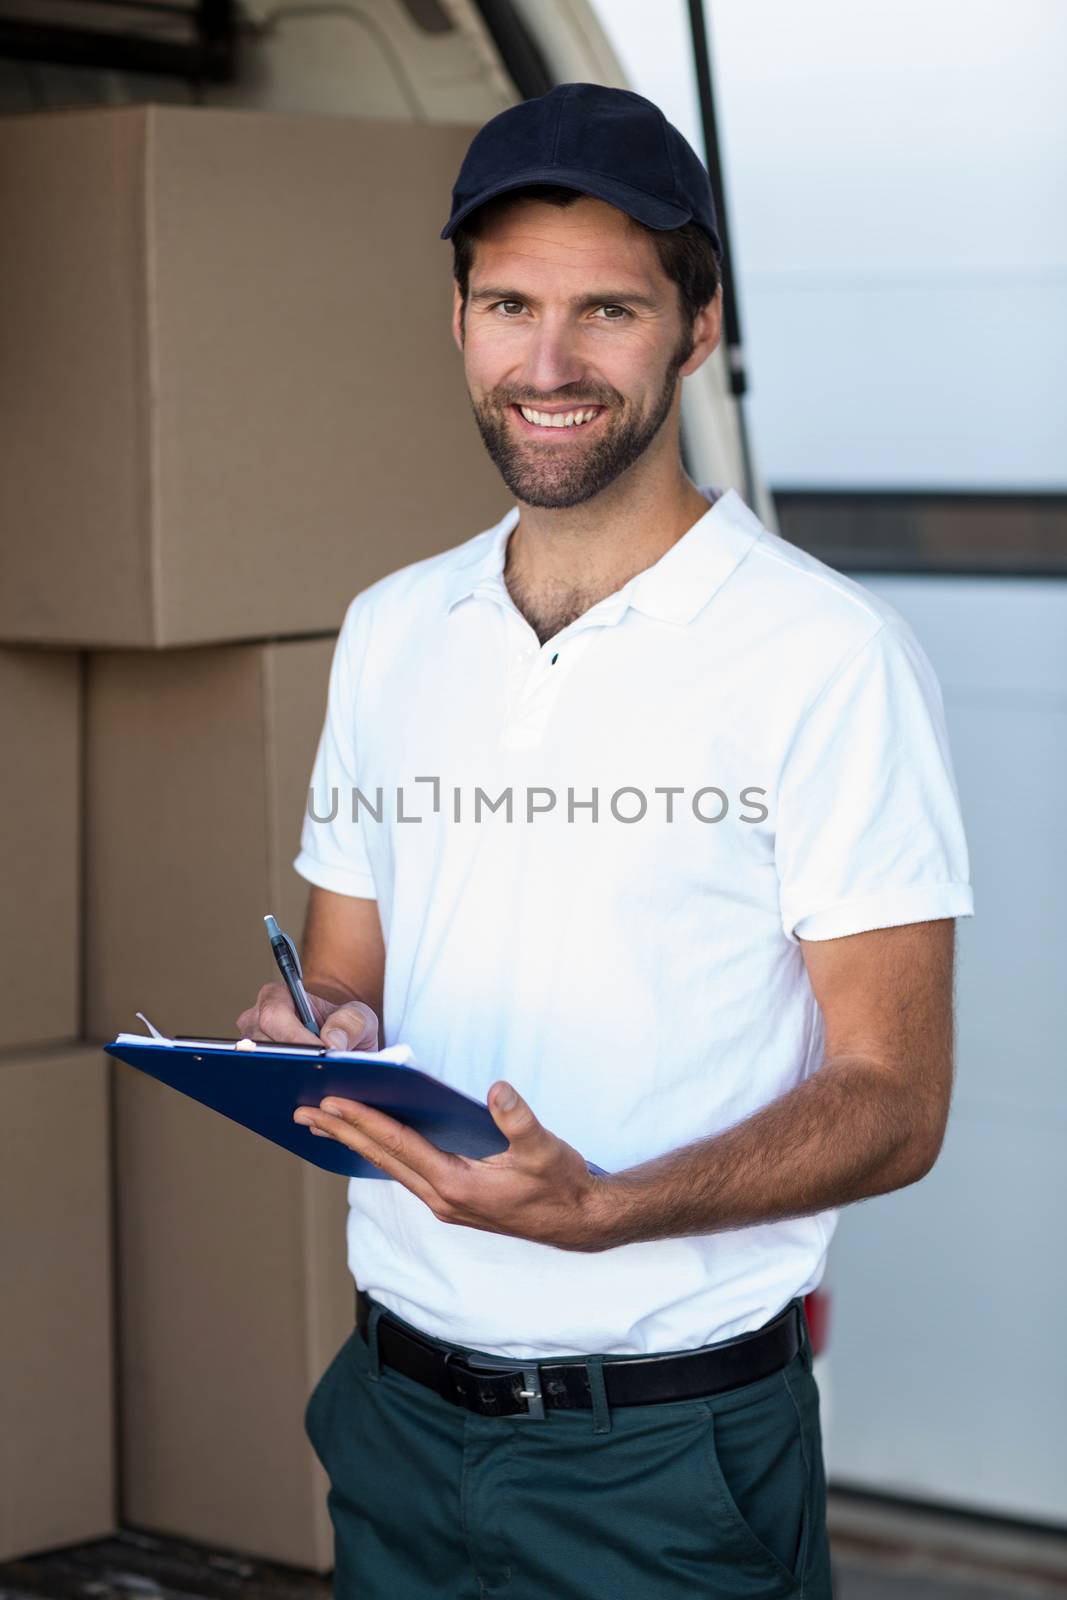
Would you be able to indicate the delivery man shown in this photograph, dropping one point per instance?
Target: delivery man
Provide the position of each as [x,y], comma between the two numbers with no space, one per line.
[639,823]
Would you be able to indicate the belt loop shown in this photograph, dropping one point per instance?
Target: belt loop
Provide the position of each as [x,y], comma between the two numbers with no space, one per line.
[373,1318]
[805,1337]
[601,1410]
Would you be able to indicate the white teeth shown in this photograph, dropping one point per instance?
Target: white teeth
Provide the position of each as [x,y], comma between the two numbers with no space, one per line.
[558,419]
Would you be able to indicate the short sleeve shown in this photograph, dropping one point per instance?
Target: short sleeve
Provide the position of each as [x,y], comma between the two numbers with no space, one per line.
[333,852]
[869,832]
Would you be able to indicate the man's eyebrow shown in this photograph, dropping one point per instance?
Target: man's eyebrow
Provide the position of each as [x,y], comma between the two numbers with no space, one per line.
[581,302]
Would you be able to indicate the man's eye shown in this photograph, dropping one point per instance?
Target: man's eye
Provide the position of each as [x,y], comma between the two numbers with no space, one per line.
[504,305]
[623,313]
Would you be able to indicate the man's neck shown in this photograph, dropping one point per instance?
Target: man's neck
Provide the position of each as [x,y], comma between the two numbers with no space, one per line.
[560,563]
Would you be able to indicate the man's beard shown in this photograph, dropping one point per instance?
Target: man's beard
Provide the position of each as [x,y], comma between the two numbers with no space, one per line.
[555,479]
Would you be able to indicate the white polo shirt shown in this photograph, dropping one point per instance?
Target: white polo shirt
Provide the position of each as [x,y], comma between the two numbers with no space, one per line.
[765,745]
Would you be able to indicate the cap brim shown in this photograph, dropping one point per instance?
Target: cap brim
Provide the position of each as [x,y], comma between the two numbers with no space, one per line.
[646,208]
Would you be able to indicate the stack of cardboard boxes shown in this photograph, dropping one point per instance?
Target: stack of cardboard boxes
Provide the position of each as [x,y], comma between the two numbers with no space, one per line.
[231,401]
[56,1385]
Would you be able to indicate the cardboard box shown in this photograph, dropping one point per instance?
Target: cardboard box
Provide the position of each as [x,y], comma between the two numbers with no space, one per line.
[56,1396]
[198,765]
[230,394]
[234,1291]
[40,845]
[234,1295]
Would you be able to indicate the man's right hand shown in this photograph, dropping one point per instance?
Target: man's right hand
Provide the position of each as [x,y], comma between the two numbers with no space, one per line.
[348,1026]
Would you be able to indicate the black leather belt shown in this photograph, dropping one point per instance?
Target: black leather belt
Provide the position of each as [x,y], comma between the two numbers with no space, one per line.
[493,1386]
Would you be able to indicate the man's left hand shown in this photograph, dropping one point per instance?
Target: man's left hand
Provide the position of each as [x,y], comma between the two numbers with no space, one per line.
[539,1188]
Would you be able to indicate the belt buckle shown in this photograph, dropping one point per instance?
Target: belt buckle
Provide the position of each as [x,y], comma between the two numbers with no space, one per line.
[531,1390]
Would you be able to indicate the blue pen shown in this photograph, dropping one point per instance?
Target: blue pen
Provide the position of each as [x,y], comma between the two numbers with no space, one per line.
[285,954]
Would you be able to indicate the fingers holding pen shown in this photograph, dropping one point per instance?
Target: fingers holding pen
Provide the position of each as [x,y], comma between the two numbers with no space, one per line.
[273,1019]
[353,1026]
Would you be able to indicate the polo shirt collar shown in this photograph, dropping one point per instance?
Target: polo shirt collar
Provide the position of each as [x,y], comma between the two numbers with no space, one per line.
[673,589]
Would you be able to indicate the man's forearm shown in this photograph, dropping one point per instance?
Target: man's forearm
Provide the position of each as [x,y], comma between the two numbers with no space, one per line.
[849,1131]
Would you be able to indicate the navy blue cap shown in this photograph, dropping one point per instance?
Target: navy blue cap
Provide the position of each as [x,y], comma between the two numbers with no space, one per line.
[609,143]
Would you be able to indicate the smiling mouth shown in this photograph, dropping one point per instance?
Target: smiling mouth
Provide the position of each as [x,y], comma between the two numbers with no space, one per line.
[546,422]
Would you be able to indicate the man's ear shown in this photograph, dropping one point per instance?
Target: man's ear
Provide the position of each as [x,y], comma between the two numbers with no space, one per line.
[457,315]
[707,331]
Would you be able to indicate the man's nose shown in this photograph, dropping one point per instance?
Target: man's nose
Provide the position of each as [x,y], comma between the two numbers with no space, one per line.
[552,358]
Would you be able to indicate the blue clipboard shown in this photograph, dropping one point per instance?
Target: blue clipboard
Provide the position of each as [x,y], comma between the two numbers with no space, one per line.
[261,1089]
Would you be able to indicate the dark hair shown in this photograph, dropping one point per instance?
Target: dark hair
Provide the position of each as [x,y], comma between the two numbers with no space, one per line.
[686,254]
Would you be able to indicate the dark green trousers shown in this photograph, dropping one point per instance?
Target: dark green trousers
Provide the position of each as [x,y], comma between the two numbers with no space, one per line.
[720,1497]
